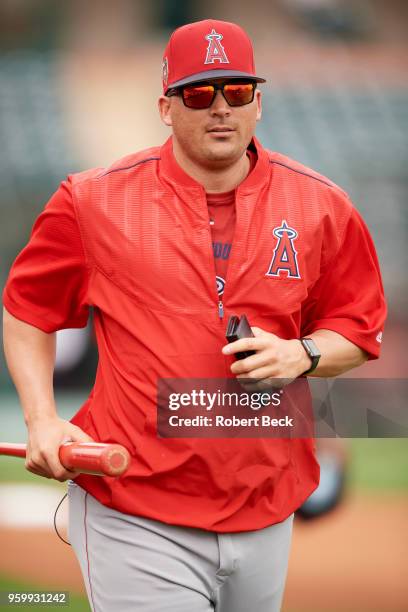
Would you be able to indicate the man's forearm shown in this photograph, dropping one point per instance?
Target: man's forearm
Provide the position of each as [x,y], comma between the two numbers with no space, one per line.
[338,355]
[279,358]
[30,356]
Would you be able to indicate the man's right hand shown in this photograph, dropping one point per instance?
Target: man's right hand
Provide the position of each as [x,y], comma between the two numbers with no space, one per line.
[45,436]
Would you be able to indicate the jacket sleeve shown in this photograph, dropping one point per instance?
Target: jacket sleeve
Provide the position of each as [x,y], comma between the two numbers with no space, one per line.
[348,298]
[47,284]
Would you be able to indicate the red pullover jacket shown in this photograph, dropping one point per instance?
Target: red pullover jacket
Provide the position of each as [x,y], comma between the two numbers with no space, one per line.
[133,241]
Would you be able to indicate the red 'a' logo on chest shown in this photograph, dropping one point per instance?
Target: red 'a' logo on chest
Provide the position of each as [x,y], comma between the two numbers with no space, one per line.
[215,50]
[284,259]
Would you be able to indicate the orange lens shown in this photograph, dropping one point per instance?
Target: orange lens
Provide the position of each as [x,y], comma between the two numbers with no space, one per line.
[198,96]
[238,94]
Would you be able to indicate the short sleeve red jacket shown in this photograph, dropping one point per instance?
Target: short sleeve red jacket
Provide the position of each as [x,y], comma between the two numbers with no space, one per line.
[133,241]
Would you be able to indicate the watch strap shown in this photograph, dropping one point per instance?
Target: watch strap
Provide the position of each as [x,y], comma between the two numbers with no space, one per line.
[313,352]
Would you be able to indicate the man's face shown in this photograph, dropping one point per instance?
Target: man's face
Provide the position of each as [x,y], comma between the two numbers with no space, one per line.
[211,137]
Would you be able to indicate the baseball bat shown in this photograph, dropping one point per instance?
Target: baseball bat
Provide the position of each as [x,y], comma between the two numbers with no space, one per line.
[87,457]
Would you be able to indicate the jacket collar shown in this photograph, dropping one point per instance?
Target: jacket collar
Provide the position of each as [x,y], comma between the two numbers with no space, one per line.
[173,172]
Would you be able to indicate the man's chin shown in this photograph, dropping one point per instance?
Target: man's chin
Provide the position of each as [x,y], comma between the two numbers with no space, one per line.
[222,152]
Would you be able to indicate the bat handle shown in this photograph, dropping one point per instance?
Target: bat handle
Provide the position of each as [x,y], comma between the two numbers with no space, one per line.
[87,457]
[95,458]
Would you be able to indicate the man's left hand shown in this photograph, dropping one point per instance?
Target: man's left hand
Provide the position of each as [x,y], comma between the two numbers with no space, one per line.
[274,358]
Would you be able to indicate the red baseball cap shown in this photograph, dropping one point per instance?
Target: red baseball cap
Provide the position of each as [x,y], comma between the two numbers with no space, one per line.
[205,50]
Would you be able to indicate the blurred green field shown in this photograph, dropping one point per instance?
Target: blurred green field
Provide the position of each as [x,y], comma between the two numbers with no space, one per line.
[7,585]
[379,464]
[12,470]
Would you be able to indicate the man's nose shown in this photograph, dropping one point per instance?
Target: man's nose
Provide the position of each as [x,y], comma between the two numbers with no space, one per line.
[220,106]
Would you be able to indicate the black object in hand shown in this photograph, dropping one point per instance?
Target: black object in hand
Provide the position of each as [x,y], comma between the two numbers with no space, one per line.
[238,328]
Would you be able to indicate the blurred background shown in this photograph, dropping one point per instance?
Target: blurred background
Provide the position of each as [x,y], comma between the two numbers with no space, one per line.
[79,84]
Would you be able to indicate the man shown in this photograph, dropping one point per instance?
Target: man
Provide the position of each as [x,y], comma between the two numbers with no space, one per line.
[165,245]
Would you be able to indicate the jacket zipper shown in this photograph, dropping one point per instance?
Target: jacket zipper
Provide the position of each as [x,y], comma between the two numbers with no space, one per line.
[220,302]
[221,309]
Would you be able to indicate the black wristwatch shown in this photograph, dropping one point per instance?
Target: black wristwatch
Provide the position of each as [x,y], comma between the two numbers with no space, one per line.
[313,352]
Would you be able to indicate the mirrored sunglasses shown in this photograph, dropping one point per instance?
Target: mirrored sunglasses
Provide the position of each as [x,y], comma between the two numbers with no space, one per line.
[201,95]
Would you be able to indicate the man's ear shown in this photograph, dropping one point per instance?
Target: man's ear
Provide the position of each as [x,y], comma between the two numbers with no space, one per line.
[258,94]
[164,110]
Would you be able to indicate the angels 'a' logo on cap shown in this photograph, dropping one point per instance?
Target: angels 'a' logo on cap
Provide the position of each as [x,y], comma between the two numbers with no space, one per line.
[215,50]
[165,71]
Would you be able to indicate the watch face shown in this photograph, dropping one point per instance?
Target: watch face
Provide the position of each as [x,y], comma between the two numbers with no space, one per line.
[311,347]
[313,352]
